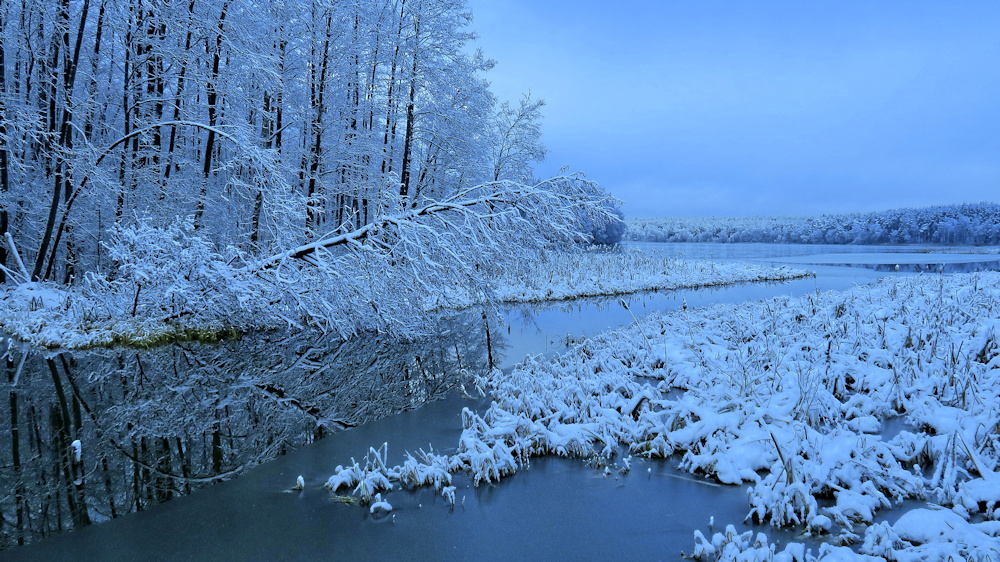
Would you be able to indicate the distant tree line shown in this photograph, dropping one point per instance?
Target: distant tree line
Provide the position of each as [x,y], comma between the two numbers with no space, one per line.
[972,224]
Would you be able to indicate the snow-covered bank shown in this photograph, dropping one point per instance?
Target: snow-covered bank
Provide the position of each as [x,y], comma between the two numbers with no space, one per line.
[49,315]
[564,276]
[53,316]
[786,396]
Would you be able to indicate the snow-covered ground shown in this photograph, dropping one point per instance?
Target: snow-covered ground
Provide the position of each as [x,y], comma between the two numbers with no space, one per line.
[787,397]
[564,276]
[53,316]
[50,315]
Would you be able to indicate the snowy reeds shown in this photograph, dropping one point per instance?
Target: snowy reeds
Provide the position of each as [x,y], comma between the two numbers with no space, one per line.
[616,271]
[789,396]
[364,481]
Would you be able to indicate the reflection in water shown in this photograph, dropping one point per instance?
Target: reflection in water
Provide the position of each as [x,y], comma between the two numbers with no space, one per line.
[96,434]
[754,251]
[956,267]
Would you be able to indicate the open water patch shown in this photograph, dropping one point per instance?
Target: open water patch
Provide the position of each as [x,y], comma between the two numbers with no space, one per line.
[903,262]
[90,436]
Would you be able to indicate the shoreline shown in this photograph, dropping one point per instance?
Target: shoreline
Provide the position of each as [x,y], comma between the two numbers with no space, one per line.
[50,317]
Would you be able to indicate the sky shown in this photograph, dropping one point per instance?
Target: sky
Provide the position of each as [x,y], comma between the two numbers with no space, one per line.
[712,108]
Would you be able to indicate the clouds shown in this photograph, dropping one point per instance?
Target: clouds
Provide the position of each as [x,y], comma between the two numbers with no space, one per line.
[760,108]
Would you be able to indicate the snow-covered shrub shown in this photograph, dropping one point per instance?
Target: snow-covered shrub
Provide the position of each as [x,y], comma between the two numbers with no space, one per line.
[881,540]
[606,229]
[434,472]
[782,502]
[731,545]
[484,453]
[174,275]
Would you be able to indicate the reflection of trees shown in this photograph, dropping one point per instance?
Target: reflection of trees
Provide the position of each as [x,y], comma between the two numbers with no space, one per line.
[161,423]
[961,267]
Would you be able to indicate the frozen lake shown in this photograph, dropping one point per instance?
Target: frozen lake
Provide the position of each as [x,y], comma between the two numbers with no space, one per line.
[164,424]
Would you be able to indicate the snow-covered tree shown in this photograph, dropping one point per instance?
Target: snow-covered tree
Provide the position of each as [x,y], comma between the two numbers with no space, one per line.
[975,224]
[353,148]
[516,139]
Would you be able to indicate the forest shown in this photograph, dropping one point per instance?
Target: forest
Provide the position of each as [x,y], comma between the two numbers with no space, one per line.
[971,224]
[212,159]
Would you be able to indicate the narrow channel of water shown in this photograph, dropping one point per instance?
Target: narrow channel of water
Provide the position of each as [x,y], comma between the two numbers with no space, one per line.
[92,436]
[551,328]
[158,425]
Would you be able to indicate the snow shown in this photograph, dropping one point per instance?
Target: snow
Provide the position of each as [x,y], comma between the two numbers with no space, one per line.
[563,276]
[785,396]
[379,505]
[56,316]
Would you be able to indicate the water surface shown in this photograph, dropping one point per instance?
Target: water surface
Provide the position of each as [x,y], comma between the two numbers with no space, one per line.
[170,423]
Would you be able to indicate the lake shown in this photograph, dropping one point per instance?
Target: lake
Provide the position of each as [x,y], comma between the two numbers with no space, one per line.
[159,429]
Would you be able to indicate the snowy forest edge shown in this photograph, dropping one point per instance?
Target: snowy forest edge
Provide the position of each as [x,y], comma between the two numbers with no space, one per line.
[968,224]
[219,164]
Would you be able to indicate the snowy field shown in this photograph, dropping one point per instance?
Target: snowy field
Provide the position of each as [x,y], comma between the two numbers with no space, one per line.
[50,316]
[798,400]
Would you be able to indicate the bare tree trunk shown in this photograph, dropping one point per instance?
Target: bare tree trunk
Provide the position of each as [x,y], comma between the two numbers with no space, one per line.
[313,216]
[136,479]
[165,487]
[15,451]
[60,50]
[217,456]
[213,110]
[178,93]
[267,136]
[185,459]
[88,132]
[4,156]
[404,176]
[390,118]
[127,163]
[50,100]
[279,101]
[88,125]
[63,429]
[63,174]
[489,342]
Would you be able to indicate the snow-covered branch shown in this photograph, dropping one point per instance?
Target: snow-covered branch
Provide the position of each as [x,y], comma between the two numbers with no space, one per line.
[385,274]
[480,210]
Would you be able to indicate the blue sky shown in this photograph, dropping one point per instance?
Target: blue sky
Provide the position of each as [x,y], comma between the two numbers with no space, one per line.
[742,108]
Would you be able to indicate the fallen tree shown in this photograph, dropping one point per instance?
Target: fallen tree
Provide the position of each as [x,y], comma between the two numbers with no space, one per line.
[383,277]
[394,265]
